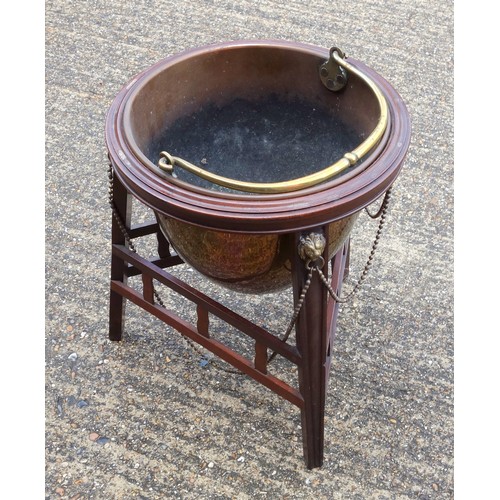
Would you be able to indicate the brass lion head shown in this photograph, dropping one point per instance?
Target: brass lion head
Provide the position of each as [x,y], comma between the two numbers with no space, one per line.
[311,247]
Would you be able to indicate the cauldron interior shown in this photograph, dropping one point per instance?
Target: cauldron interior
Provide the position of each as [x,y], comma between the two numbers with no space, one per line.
[250,113]
[265,141]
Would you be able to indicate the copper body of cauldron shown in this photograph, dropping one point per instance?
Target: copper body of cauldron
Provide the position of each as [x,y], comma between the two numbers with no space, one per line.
[262,112]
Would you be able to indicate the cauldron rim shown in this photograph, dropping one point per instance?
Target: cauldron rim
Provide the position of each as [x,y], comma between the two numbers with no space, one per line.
[258,213]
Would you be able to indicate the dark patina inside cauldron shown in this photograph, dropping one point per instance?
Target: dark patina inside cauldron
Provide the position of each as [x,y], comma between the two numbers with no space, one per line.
[269,140]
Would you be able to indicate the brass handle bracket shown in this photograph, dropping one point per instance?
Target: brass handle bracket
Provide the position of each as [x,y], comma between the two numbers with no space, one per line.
[332,75]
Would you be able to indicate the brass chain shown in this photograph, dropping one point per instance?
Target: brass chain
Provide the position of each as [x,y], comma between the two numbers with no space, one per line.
[296,312]
[382,214]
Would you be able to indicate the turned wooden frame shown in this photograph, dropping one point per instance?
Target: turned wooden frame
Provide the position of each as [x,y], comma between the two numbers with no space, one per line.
[315,327]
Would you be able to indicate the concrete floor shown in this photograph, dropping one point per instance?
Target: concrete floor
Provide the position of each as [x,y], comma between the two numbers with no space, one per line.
[144,418]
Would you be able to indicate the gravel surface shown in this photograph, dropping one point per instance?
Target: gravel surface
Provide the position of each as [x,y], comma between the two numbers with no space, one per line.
[148,418]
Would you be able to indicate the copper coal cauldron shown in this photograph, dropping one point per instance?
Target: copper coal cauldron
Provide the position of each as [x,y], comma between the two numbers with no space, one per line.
[238,146]
[256,158]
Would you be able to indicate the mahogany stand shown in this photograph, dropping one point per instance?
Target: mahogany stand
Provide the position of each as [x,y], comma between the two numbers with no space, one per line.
[315,327]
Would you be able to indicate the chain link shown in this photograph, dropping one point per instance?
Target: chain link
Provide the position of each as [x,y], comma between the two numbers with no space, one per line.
[382,214]
[296,312]
[116,214]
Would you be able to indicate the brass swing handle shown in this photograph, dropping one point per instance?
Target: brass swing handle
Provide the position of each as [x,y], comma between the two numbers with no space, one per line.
[167,162]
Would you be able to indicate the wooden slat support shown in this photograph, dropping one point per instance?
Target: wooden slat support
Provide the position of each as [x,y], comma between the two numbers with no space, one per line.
[163,244]
[202,321]
[222,351]
[147,288]
[239,322]
[260,360]
[143,229]
[166,262]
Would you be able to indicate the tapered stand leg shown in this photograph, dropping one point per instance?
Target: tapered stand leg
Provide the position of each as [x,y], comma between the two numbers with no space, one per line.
[123,205]
[315,330]
[311,338]
[163,244]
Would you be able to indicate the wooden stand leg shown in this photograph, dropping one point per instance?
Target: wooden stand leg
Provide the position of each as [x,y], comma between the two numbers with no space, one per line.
[123,204]
[312,336]
[163,244]
[347,259]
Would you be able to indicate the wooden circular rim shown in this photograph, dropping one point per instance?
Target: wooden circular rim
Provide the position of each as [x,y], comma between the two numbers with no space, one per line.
[281,213]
